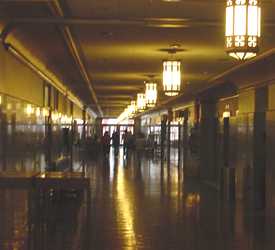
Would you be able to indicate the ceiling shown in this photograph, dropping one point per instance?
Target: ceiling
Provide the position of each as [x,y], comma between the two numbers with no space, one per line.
[120,43]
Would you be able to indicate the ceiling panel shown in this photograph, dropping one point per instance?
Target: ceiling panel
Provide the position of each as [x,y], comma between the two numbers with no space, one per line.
[122,42]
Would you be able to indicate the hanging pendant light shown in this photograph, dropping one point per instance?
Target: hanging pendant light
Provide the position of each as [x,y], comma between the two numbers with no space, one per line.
[151,94]
[133,107]
[243,28]
[141,102]
[171,77]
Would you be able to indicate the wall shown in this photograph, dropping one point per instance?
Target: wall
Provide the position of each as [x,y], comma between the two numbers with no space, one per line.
[27,136]
[270,154]
[19,81]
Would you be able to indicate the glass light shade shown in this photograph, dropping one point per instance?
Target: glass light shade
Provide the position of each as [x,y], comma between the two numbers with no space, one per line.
[45,112]
[134,106]
[37,112]
[171,77]
[226,114]
[141,102]
[151,94]
[29,109]
[243,28]
[9,106]
[55,116]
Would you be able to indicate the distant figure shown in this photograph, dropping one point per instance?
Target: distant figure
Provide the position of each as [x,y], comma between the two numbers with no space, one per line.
[116,141]
[106,143]
[125,138]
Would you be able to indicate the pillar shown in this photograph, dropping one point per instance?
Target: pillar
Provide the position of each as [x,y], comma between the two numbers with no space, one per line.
[251,159]
[98,127]
[163,135]
[209,171]
[84,123]
[48,139]
[170,116]
[137,125]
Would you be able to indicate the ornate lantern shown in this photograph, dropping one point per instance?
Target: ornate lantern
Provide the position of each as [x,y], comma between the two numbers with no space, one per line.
[243,28]
[141,102]
[151,94]
[133,107]
[171,77]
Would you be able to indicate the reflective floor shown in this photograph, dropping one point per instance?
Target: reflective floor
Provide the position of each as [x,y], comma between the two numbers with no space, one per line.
[137,203]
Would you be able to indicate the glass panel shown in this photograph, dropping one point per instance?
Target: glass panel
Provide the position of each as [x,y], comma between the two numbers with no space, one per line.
[229,21]
[259,22]
[240,21]
[252,20]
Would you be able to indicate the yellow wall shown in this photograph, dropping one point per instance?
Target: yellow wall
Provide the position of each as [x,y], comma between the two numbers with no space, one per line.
[271,97]
[247,101]
[77,112]
[18,80]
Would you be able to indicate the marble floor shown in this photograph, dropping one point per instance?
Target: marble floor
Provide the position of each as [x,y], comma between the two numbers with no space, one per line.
[136,203]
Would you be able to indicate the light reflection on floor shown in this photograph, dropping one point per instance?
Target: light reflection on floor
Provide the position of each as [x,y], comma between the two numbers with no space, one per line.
[139,203]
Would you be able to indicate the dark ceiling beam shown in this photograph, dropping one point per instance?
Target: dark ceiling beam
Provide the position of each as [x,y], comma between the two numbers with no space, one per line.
[151,22]
[107,105]
[160,22]
[113,96]
[75,51]
[115,101]
[115,88]
[110,108]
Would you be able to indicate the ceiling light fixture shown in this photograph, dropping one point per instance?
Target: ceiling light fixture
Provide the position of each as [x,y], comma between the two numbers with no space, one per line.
[243,28]
[151,94]
[171,77]
[141,102]
[133,107]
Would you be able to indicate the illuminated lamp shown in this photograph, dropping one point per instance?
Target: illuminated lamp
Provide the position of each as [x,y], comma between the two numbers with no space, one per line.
[141,102]
[37,112]
[151,94]
[226,113]
[29,109]
[134,106]
[243,28]
[45,112]
[55,116]
[171,77]
[9,106]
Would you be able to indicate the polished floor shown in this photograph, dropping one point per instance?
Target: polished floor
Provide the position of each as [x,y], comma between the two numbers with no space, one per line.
[136,203]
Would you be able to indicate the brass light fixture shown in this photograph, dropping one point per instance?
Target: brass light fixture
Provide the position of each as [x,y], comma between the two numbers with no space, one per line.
[243,28]
[226,113]
[141,102]
[171,77]
[29,110]
[133,107]
[151,94]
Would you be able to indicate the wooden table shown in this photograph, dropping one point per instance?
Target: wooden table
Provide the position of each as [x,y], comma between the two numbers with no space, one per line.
[38,184]
[60,181]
